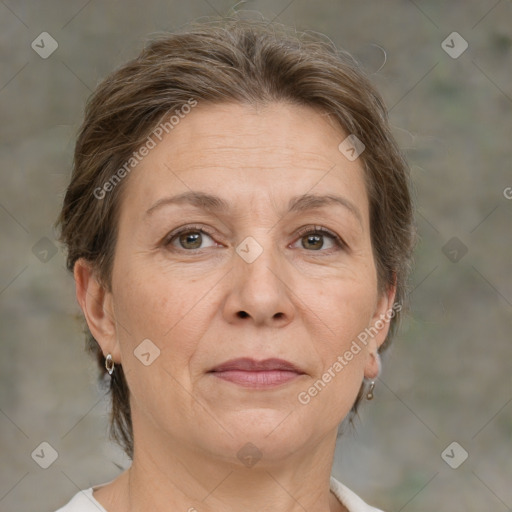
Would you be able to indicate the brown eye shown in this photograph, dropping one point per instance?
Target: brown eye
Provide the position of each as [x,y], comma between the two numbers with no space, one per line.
[189,239]
[313,239]
[314,242]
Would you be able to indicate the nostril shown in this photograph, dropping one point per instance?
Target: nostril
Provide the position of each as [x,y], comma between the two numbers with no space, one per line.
[242,314]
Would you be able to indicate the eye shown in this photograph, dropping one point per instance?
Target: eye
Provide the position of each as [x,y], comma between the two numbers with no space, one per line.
[188,238]
[312,238]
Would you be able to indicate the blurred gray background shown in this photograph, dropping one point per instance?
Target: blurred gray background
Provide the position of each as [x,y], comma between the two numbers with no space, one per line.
[446,379]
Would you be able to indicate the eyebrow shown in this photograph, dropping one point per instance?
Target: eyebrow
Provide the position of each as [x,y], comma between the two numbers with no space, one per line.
[297,204]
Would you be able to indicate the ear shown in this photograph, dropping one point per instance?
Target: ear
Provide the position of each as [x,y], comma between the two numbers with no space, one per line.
[385,310]
[97,305]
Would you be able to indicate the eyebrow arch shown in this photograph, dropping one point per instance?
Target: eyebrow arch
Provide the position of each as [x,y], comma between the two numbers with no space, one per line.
[299,204]
[307,202]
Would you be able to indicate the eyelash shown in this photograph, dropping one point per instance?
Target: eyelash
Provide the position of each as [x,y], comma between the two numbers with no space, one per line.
[319,230]
[307,230]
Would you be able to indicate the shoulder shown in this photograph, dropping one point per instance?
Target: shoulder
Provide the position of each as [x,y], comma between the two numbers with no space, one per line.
[83,501]
[350,499]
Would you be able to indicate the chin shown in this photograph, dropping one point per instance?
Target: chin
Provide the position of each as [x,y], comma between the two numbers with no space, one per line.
[267,434]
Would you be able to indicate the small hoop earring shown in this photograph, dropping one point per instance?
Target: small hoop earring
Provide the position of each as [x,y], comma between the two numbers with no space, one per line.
[369,395]
[109,364]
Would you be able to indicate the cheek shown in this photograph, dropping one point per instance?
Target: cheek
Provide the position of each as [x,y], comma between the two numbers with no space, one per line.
[162,308]
[343,310]
[344,306]
[148,308]
[146,300]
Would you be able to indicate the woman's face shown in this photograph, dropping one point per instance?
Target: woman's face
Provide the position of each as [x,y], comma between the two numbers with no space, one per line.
[251,276]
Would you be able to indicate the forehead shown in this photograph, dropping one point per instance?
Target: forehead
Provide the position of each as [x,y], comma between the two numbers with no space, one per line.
[244,153]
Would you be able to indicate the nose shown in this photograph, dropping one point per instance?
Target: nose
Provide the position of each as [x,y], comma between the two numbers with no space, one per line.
[260,290]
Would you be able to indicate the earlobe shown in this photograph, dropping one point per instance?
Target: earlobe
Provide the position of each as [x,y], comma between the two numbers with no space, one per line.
[96,304]
[373,366]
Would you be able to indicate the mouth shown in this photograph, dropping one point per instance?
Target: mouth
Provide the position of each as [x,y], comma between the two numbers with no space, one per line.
[250,373]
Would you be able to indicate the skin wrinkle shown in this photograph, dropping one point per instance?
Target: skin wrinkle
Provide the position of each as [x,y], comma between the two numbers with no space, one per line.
[212,203]
[348,229]
[324,300]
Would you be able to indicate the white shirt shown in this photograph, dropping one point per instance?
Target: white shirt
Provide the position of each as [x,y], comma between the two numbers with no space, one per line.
[85,502]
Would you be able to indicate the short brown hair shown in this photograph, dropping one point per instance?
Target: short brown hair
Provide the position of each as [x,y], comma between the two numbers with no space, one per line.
[230,60]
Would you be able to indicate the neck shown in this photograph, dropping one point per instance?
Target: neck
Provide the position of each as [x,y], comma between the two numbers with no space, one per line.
[178,477]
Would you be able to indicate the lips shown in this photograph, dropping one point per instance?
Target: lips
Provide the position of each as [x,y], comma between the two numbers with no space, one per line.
[257,374]
[251,365]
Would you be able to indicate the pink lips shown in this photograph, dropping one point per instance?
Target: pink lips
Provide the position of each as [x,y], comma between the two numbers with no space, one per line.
[257,374]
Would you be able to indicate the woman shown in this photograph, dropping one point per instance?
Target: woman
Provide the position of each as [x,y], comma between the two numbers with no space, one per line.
[240,228]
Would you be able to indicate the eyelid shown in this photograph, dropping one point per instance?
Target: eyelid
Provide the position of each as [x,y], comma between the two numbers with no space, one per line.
[340,243]
[310,229]
[185,229]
